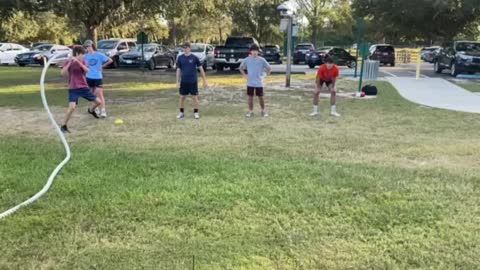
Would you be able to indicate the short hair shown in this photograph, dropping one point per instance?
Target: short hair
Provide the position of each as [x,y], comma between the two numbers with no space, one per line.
[78,50]
[328,60]
[254,47]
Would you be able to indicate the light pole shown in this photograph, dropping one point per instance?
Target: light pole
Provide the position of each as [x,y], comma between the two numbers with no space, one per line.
[286,11]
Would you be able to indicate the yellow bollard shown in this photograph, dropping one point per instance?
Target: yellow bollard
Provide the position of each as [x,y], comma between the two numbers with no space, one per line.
[419,63]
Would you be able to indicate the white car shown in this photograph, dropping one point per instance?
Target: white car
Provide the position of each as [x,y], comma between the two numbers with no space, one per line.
[59,52]
[8,52]
[204,52]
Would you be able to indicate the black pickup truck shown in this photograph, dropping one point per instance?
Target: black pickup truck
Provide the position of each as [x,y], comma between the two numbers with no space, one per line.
[232,54]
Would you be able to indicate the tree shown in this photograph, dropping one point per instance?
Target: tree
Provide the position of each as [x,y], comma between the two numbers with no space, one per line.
[329,20]
[409,20]
[258,18]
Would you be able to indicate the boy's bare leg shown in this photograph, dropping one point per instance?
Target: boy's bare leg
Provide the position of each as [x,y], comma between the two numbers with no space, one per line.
[250,103]
[195,102]
[316,99]
[333,100]
[71,108]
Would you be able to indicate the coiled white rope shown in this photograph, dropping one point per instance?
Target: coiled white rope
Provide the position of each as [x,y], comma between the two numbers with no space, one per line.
[62,138]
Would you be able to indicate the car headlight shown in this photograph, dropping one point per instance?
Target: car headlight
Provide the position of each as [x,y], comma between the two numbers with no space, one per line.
[466,58]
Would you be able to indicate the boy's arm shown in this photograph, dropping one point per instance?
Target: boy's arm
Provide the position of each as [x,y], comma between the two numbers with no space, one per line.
[65,68]
[107,63]
[267,67]
[82,65]
[242,70]
[179,73]
[204,77]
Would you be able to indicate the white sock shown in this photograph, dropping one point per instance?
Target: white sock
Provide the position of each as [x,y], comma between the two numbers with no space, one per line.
[334,109]
[315,108]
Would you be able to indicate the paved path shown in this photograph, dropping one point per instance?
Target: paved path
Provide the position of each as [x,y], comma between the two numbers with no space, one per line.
[437,93]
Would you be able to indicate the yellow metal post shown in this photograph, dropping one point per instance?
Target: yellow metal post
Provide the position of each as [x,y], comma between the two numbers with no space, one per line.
[419,63]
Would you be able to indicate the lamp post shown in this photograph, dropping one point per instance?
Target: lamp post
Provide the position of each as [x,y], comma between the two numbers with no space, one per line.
[287,12]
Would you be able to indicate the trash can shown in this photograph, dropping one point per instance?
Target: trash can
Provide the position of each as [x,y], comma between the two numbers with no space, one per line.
[370,70]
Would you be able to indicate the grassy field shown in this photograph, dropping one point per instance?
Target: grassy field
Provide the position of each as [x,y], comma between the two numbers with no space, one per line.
[474,87]
[389,185]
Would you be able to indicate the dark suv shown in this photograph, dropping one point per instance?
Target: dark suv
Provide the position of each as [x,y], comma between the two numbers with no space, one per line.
[301,51]
[384,53]
[271,53]
[461,57]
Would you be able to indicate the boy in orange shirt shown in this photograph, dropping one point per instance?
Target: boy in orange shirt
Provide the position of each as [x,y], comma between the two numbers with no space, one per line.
[328,74]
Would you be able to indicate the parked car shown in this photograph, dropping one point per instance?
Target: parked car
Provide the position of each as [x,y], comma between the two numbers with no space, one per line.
[115,47]
[8,52]
[460,57]
[430,53]
[155,55]
[59,52]
[384,53]
[271,53]
[235,50]
[204,52]
[339,55]
[301,51]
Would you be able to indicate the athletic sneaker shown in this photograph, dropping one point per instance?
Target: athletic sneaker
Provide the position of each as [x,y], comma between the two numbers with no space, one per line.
[97,111]
[93,113]
[103,114]
[64,129]
[314,114]
[249,114]
[196,115]
[264,114]
[181,116]
[334,114]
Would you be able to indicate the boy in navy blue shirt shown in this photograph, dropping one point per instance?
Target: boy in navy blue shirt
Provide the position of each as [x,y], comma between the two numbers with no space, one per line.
[187,79]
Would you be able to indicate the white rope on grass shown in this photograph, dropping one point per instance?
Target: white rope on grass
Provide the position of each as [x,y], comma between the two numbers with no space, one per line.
[62,138]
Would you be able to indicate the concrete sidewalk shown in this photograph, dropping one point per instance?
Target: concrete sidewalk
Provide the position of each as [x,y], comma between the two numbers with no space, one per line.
[437,93]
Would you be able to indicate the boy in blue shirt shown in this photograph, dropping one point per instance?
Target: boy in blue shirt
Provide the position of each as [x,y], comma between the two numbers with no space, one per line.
[96,61]
[187,79]
[257,68]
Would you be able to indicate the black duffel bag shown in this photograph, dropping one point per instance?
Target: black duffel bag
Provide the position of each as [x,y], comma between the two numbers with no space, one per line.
[370,90]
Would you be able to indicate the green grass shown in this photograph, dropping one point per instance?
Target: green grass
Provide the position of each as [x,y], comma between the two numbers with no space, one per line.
[474,87]
[390,185]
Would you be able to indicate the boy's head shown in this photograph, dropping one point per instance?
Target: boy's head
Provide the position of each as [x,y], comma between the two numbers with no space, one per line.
[187,48]
[89,46]
[329,62]
[78,52]
[254,49]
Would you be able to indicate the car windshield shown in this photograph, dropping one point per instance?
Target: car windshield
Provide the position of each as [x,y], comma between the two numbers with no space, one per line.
[43,48]
[270,47]
[468,47]
[239,42]
[146,48]
[197,48]
[304,47]
[107,44]
[385,49]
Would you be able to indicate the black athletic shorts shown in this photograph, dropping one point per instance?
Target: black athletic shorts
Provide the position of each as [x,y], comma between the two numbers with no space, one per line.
[94,83]
[327,83]
[188,89]
[258,91]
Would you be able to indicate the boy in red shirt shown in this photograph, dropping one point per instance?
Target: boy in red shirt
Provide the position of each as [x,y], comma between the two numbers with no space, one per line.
[75,69]
[328,74]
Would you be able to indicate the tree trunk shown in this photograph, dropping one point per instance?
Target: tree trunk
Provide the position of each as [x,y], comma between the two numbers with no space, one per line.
[174,32]
[93,33]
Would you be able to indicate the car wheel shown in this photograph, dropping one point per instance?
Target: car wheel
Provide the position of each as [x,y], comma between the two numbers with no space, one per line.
[22,65]
[219,67]
[471,73]
[392,64]
[151,64]
[170,64]
[352,64]
[295,62]
[311,65]
[233,68]
[454,70]
[437,68]
[204,65]
[279,61]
